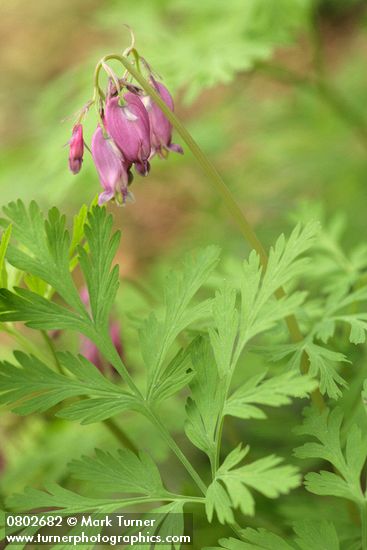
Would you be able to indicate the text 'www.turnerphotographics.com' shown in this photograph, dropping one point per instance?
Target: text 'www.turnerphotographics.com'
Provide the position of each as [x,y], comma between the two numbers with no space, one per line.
[109,529]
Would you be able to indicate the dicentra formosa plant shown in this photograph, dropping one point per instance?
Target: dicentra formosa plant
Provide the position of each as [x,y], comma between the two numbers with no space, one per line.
[194,347]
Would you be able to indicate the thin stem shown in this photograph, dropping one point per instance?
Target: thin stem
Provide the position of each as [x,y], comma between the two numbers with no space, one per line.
[52,349]
[176,449]
[228,199]
[122,437]
[205,163]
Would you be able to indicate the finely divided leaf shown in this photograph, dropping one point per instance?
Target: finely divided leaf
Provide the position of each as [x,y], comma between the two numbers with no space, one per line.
[158,334]
[322,363]
[102,281]
[274,392]
[176,376]
[259,309]
[43,248]
[203,406]
[44,251]
[265,475]
[67,502]
[33,387]
[311,535]
[337,310]
[122,472]
[39,313]
[316,535]
[224,333]
[348,463]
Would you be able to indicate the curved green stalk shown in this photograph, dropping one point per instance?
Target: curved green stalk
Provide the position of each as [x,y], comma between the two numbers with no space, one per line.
[203,160]
[228,199]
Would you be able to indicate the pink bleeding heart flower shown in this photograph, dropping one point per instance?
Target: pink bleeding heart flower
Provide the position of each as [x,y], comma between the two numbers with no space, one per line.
[129,127]
[160,126]
[76,149]
[112,168]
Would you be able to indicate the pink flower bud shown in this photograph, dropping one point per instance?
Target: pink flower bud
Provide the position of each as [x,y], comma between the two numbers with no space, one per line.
[76,149]
[160,126]
[111,166]
[129,127]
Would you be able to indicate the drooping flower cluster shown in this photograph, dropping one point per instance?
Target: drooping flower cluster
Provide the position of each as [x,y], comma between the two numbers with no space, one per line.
[131,131]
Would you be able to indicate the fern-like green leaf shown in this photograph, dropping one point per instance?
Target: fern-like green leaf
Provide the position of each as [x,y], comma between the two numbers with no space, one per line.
[33,387]
[310,535]
[206,397]
[265,475]
[122,472]
[158,334]
[273,392]
[348,462]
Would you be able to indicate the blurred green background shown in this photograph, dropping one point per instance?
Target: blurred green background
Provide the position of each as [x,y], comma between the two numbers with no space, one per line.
[273,90]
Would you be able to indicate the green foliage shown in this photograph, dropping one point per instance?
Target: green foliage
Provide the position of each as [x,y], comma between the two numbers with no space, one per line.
[223,336]
[310,534]
[66,502]
[123,472]
[4,242]
[243,311]
[260,310]
[44,250]
[34,387]
[231,486]
[277,144]
[101,280]
[322,362]
[158,334]
[208,58]
[235,323]
[273,392]
[347,460]
[203,407]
